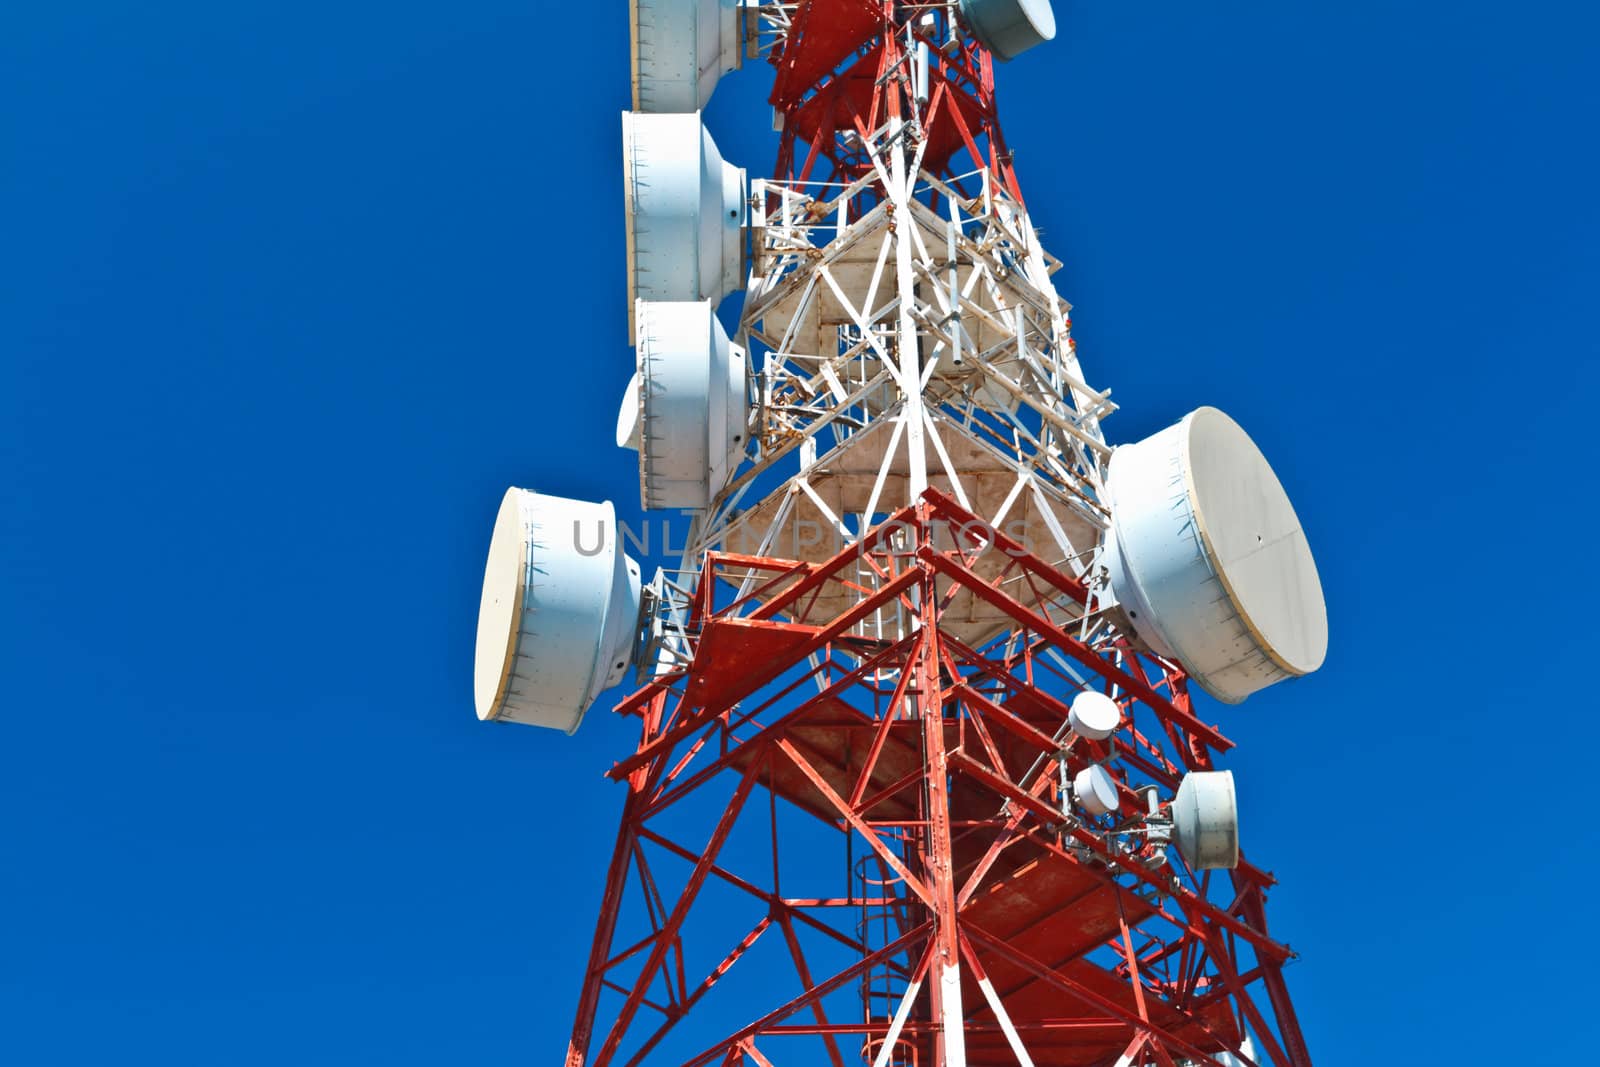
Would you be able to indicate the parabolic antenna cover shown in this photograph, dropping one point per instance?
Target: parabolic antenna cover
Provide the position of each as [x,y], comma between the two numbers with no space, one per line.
[686,409]
[1094,715]
[559,613]
[1209,561]
[1205,820]
[681,49]
[1095,790]
[1009,28]
[685,210]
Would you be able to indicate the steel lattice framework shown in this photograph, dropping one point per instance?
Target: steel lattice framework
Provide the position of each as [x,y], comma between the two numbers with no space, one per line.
[861,670]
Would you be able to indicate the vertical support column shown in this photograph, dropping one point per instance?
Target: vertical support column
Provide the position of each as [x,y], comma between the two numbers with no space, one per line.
[668,932]
[600,950]
[944,985]
[901,182]
[1253,911]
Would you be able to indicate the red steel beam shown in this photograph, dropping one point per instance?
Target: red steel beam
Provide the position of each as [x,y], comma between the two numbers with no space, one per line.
[931,666]
[1063,641]
[674,922]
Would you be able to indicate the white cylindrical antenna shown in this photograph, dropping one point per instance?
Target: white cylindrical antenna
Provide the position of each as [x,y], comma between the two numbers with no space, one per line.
[1205,820]
[687,407]
[560,611]
[1207,558]
[681,49]
[1008,28]
[685,210]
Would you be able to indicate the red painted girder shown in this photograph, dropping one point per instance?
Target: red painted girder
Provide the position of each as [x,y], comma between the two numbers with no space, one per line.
[722,673]
[1064,641]
[821,34]
[893,948]
[1189,902]
[944,506]
[771,900]
[736,756]
[763,673]
[669,929]
[1018,957]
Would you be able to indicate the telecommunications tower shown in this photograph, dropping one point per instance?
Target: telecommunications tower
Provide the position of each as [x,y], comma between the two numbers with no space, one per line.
[921,778]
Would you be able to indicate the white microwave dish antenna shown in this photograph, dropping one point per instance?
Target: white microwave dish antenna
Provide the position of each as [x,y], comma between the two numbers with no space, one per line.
[1095,790]
[1008,28]
[1208,559]
[681,49]
[559,614]
[687,409]
[1094,715]
[1205,820]
[685,210]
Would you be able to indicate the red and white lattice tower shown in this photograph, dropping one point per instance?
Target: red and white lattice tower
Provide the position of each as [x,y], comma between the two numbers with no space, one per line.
[920,777]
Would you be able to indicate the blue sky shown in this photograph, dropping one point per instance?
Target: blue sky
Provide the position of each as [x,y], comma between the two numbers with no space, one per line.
[290,292]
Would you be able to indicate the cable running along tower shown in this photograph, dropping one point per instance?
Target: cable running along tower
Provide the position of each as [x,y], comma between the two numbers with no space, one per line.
[921,778]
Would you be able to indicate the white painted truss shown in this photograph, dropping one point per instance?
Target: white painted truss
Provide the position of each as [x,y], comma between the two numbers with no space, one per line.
[921,344]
